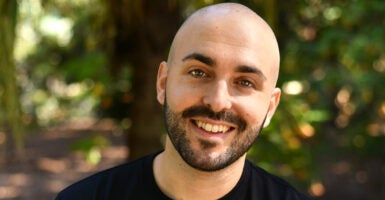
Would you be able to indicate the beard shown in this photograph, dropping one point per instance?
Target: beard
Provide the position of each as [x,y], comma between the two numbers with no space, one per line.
[201,159]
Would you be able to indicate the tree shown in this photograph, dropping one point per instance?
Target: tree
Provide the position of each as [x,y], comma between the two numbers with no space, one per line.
[140,32]
[9,96]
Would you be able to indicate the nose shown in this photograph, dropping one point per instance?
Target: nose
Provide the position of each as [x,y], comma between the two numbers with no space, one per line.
[218,97]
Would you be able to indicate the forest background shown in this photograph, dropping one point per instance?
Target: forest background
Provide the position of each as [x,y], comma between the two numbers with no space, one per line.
[85,61]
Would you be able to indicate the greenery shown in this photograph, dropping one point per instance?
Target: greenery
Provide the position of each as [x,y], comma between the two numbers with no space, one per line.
[90,147]
[72,60]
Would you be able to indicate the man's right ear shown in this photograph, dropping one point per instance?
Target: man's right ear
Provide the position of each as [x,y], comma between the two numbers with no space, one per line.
[161,82]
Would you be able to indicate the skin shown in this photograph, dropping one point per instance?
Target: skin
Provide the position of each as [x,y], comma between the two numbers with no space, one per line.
[224,58]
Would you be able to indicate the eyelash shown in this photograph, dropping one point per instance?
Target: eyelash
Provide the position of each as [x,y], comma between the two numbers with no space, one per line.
[197,73]
[246,83]
[200,74]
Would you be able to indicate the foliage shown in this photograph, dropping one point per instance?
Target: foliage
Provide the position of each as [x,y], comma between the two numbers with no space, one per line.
[67,76]
[332,73]
[91,148]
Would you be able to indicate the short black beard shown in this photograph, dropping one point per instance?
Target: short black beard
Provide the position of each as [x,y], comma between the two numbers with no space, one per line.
[200,160]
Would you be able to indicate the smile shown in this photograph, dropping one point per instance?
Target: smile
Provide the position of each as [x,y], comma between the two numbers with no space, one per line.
[213,128]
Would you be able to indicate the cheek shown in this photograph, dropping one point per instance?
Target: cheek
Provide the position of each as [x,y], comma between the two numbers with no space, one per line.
[253,110]
[180,97]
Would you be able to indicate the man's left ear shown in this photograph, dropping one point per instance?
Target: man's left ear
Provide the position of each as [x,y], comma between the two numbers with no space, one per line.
[274,101]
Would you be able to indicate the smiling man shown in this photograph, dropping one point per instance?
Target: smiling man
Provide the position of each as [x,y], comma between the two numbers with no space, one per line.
[218,90]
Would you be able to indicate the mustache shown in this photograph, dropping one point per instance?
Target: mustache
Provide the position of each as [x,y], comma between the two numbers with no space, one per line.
[204,111]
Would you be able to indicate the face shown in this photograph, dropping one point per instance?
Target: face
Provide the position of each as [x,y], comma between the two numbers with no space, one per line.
[218,93]
[175,123]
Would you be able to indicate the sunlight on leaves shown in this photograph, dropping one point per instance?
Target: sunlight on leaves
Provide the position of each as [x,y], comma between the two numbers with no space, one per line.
[317,189]
[332,13]
[59,28]
[307,130]
[293,87]
[316,115]
[379,65]
[91,148]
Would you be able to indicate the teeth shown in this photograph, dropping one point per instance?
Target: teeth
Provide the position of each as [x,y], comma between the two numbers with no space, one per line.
[212,128]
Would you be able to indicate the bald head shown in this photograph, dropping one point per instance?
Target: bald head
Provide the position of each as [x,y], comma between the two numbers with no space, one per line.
[232,24]
[223,61]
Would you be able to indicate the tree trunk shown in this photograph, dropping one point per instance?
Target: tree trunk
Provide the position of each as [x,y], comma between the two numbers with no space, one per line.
[10,95]
[271,13]
[141,32]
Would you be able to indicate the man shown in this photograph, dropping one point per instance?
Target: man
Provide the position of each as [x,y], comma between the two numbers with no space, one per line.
[218,91]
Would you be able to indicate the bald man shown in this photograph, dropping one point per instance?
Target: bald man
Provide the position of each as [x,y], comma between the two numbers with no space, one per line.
[218,90]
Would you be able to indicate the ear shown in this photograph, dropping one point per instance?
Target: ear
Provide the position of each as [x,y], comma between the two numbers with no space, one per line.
[274,101]
[161,82]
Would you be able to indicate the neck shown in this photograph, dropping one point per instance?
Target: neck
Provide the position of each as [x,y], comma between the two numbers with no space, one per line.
[178,180]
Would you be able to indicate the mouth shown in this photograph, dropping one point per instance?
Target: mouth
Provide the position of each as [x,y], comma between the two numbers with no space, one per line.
[212,128]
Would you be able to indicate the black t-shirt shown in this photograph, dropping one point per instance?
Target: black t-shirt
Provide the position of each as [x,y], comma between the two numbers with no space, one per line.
[136,180]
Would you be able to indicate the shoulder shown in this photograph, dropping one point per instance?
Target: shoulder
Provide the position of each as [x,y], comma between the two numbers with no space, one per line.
[272,186]
[102,184]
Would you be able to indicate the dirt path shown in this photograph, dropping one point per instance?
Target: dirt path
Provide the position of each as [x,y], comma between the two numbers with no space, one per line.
[50,164]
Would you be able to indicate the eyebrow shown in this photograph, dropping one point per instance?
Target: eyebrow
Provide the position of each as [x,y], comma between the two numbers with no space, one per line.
[200,57]
[211,62]
[249,69]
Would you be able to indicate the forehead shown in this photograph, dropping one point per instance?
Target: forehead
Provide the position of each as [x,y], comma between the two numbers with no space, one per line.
[232,38]
[240,46]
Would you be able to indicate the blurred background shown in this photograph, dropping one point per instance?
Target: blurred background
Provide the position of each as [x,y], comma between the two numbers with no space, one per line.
[77,91]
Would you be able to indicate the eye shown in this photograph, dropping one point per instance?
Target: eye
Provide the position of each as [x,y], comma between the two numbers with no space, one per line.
[197,73]
[246,83]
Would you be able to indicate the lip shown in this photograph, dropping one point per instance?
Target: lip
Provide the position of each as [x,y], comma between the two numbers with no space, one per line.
[205,134]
